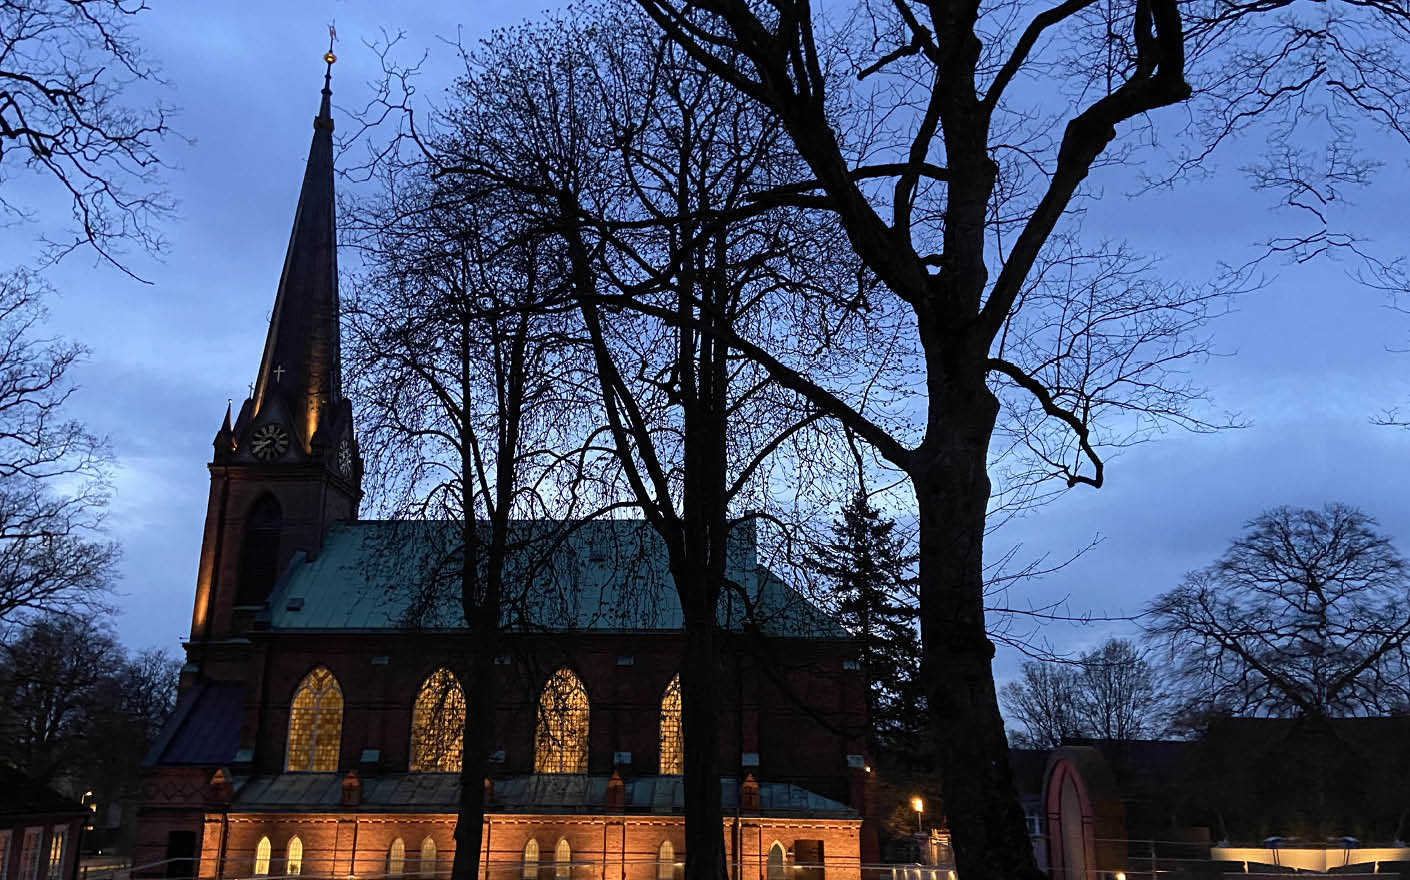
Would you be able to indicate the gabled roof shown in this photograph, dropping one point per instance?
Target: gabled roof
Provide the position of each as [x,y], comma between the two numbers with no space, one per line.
[600,576]
[22,796]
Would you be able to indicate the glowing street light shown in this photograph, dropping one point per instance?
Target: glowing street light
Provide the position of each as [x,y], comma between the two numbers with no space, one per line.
[919,806]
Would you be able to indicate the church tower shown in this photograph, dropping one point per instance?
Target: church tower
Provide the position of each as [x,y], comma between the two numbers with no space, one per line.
[288,466]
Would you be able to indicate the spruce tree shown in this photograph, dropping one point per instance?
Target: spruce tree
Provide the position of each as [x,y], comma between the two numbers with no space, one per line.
[870,573]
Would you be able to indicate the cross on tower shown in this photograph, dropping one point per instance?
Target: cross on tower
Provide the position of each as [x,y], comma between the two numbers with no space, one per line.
[278,372]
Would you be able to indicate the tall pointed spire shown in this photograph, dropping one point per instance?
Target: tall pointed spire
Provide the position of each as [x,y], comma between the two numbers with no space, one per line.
[299,376]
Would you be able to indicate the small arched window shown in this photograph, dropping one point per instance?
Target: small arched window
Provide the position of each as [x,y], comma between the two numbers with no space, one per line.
[672,745]
[262,850]
[259,551]
[562,860]
[438,724]
[561,738]
[666,862]
[775,864]
[531,860]
[294,857]
[428,857]
[396,858]
[315,724]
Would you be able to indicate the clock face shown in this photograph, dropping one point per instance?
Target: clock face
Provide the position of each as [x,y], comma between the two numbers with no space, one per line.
[345,456]
[269,442]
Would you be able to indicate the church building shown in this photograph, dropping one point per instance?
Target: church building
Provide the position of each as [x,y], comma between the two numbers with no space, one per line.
[318,727]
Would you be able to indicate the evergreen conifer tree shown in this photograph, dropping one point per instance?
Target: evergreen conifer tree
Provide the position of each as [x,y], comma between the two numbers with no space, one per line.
[870,573]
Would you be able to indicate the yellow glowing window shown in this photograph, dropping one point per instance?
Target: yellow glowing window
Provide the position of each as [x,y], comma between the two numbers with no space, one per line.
[396,858]
[531,860]
[262,858]
[672,745]
[666,864]
[438,724]
[315,723]
[428,858]
[562,861]
[294,860]
[561,739]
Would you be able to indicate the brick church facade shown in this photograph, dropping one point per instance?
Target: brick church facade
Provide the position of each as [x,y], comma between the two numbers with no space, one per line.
[317,731]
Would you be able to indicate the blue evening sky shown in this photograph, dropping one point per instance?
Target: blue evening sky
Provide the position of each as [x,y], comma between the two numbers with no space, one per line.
[1307,357]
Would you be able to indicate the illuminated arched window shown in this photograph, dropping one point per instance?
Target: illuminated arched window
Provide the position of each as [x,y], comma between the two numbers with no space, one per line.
[775,864]
[672,746]
[428,857]
[438,724]
[262,857]
[531,860]
[561,740]
[315,723]
[259,552]
[396,858]
[562,860]
[294,859]
[666,864]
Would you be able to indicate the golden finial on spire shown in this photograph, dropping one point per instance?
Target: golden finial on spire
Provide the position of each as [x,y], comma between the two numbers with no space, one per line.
[332,35]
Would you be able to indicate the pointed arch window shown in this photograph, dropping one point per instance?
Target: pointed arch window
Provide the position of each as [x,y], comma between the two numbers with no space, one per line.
[294,857]
[259,551]
[561,738]
[672,744]
[562,860]
[428,857]
[315,724]
[396,858]
[666,862]
[531,860]
[438,724]
[262,850]
[774,869]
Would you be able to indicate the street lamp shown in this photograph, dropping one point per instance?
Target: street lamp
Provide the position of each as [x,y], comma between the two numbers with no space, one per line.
[919,806]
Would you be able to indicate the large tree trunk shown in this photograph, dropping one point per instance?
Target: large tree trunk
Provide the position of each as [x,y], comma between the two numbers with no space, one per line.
[700,724]
[474,767]
[952,490]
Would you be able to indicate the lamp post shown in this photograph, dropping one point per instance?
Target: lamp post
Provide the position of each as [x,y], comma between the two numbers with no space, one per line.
[919,806]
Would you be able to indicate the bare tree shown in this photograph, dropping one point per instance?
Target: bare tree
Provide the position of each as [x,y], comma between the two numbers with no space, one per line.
[65,66]
[1109,693]
[1044,700]
[954,159]
[1305,615]
[456,354]
[53,471]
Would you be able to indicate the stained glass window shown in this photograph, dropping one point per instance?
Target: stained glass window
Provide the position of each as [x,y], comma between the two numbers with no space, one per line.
[294,860]
[562,861]
[531,860]
[315,723]
[672,745]
[262,858]
[666,864]
[561,740]
[428,858]
[438,724]
[396,858]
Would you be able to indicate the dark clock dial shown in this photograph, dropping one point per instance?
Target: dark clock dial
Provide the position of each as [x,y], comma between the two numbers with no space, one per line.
[269,442]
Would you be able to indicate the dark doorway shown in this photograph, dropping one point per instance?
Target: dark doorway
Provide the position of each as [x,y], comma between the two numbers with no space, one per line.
[181,854]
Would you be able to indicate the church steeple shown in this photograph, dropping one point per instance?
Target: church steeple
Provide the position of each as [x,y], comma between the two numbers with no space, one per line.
[299,381]
[288,468]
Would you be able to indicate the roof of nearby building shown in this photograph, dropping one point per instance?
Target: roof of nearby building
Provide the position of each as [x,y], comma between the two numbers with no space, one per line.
[538,793]
[604,575]
[22,796]
[205,729]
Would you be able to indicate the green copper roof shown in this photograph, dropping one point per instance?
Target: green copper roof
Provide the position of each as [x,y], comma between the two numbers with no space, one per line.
[606,575]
